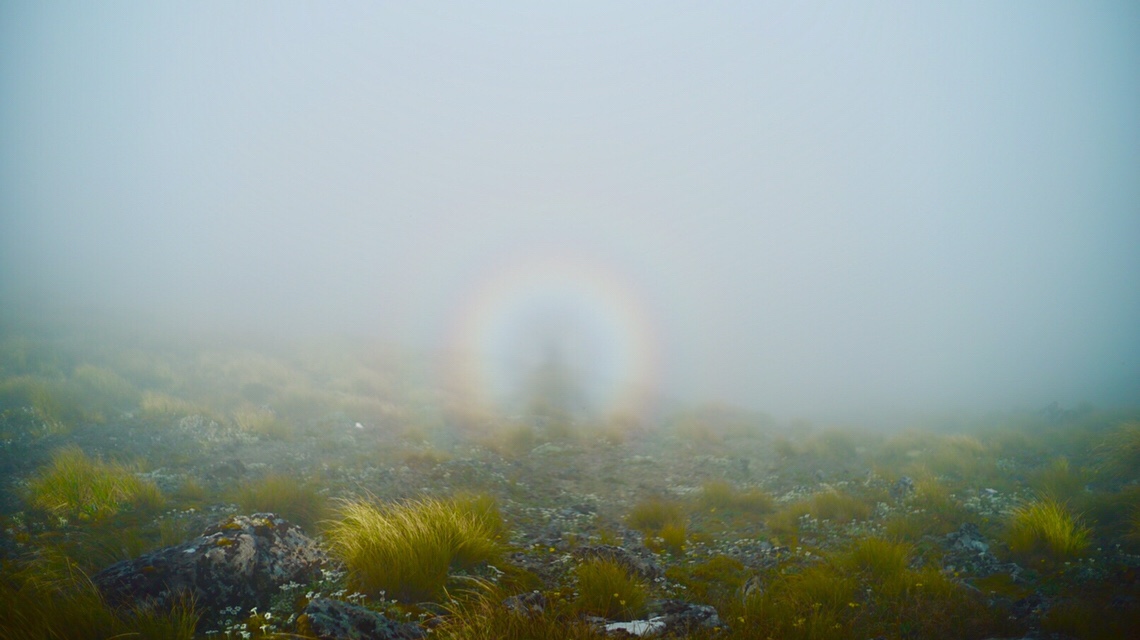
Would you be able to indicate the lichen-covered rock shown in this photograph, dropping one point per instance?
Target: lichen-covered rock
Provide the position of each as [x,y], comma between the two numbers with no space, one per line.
[241,561]
[335,620]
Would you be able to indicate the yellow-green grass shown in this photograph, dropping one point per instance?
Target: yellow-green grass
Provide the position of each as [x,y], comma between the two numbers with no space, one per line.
[478,614]
[1059,480]
[515,440]
[933,510]
[671,538]
[718,494]
[883,563]
[832,445]
[878,558]
[54,402]
[408,549]
[1044,527]
[811,604]
[156,405]
[607,590]
[74,485]
[262,422]
[829,600]
[651,515]
[1120,453]
[839,507]
[296,501]
[784,523]
[1086,620]
[34,609]
[103,391]
[717,579]
[961,456]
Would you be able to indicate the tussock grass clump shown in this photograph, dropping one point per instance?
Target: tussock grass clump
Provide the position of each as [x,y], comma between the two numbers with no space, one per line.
[479,614]
[54,402]
[839,507]
[262,422]
[38,612]
[785,522]
[813,603]
[880,598]
[425,458]
[719,494]
[878,558]
[103,391]
[1059,480]
[1088,620]
[1045,527]
[716,579]
[297,502]
[606,589]
[1120,453]
[156,405]
[936,512]
[673,537]
[407,549]
[882,563]
[74,485]
[652,515]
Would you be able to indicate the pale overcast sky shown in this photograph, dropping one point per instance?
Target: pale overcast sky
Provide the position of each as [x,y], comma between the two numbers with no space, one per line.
[803,207]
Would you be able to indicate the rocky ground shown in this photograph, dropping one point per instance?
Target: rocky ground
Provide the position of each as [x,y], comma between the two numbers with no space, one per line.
[562,498]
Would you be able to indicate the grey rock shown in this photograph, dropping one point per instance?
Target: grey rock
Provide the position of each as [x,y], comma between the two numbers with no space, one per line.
[241,561]
[631,562]
[689,617]
[968,550]
[336,620]
[902,488]
[533,603]
[676,618]
[968,538]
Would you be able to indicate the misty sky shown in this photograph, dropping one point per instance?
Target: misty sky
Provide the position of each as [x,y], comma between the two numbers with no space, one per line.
[804,207]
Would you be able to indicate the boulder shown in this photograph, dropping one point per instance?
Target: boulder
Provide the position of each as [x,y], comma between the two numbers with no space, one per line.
[239,562]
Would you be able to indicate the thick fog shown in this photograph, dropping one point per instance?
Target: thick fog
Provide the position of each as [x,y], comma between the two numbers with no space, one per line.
[806,208]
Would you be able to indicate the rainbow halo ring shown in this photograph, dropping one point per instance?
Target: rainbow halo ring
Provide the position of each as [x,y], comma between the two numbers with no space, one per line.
[582,313]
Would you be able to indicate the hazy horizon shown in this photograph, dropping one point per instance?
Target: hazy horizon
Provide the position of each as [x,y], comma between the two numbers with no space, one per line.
[811,210]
